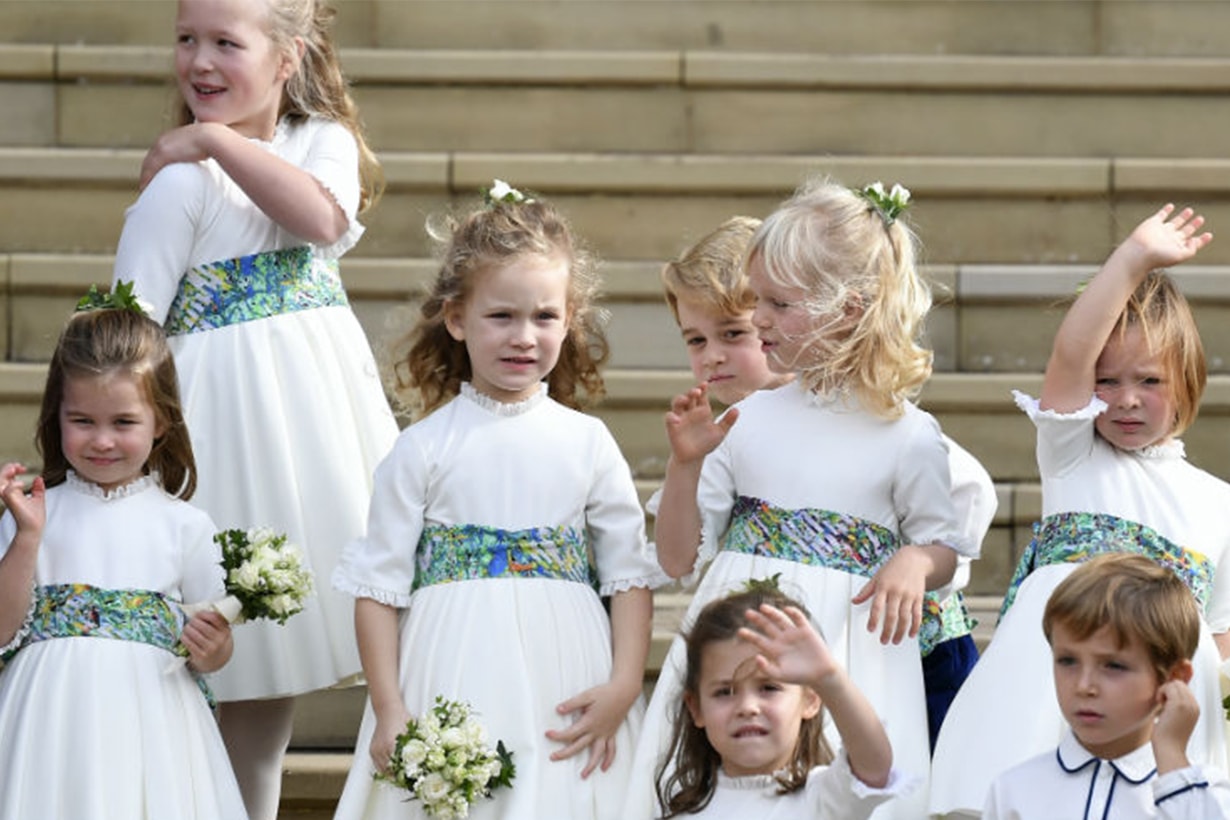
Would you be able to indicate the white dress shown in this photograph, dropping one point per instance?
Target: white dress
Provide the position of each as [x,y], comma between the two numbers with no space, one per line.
[97,726]
[1070,782]
[887,480]
[831,793]
[282,397]
[1007,711]
[512,646]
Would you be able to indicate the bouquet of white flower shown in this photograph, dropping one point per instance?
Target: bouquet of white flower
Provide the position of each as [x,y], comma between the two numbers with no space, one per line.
[444,760]
[264,573]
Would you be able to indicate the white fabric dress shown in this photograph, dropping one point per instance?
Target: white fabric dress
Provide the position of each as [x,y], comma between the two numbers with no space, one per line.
[1007,711]
[512,646]
[95,726]
[832,793]
[799,452]
[1070,782]
[287,414]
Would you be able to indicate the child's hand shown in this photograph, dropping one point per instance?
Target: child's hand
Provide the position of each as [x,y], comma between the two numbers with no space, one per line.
[384,739]
[1176,719]
[187,143]
[897,592]
[791,650]
[1163,240]
[207,636]
[690,428]
[602,709]
[29,511]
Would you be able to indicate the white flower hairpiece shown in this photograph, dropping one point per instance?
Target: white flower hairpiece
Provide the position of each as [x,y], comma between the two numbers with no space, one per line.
[888,204]
[501,193]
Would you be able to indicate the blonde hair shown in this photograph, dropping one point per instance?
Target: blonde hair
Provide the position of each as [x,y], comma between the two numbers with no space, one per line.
[712,271]
[1165,320]
[1137,598]
[833,245]
[102,342]
[492,237]
[318,87]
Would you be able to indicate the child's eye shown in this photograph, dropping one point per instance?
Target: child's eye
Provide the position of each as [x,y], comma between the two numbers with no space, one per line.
[778,303]
[185,39]
[732,335]
[1064,660]
[694,341]
[225,43]
[548,316]
[1151,381]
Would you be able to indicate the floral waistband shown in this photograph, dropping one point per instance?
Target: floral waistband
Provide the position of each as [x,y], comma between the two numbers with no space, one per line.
[1076,537]
[835,541]
[254,287]
[470,552]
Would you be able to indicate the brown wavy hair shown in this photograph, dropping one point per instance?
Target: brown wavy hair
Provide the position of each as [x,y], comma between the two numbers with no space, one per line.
[318,87]
[104,342]
[689,787]
[436,364]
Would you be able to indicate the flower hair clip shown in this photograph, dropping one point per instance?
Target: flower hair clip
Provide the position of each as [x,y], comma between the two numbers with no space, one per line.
[501,193]
[888,204]
[120,298]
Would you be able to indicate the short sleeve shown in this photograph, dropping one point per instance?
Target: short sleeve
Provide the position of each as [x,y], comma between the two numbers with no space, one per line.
[203,577]
[836,792]
[158,235]
[333,159]
[1064,439]
[616,525]
[973,494]
[922,491]
[381,564]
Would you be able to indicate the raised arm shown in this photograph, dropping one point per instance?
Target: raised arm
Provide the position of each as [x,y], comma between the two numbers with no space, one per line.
[19,561]
[1164,239]
[792,651]
[288,195]
[693,434]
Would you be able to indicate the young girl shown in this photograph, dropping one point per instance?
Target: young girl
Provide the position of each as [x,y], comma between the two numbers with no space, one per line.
[496,522]
[834,481]
[105,547]
[246,207]
[1124,380]
[748,739]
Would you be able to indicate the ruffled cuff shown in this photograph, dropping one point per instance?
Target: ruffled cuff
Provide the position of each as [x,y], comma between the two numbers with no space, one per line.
[1029,405]
[347,240]
[704,554]
[345,584]
[899,783]
[654,581]
[10,648]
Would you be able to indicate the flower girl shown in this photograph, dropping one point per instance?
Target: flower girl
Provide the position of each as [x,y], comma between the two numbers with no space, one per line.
[496,523]
[96,563]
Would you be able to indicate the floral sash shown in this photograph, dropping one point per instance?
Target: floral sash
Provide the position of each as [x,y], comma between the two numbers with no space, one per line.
[837,541]
[1077,537]
[253,287]
[469,552]
[84,611]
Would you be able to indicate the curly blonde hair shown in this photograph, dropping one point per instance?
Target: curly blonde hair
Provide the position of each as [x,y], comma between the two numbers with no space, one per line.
[319,87]
[435,364]
[834,246]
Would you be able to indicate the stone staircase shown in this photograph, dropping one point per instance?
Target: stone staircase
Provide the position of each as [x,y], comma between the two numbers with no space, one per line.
[1033,135]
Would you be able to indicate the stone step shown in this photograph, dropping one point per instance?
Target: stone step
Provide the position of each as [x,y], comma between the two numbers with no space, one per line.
[1002,210]
[1090,27]
[679,101]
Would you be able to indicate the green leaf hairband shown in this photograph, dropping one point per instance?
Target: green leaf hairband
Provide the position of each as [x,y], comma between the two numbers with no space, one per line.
[888,204]
[120,298]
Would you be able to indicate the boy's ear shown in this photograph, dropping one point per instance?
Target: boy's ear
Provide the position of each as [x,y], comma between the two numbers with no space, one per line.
[689,700]
[1182,670]
[452,321]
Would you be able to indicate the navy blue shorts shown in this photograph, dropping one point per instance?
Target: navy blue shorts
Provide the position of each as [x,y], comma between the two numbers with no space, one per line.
[944,670]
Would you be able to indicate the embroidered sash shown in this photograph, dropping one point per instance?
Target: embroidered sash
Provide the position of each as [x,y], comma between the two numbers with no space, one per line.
[470,552]
[253,287]
[84,611]
[1076,537]
[824,538]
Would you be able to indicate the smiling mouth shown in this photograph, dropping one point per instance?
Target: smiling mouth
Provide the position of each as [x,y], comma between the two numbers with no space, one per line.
[207,91]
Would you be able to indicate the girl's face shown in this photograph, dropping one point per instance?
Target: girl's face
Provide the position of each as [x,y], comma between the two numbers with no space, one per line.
[226,66]
[724,351]
[1136,386]
[107,428]
[513,324]
[752,721]
[786,327]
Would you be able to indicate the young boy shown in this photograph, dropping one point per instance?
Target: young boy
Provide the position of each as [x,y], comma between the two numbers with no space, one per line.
[1122,630]
[707,291]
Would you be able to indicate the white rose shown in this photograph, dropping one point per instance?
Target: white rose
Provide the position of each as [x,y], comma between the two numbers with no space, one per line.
[246,577]
[900,194]
[877,188]
[433,788]
[500,189]
[453,738]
